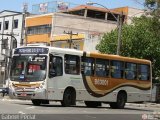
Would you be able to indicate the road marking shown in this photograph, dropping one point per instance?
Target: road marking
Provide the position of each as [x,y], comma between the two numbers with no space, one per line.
[89,116]
[30,107]
[5,99]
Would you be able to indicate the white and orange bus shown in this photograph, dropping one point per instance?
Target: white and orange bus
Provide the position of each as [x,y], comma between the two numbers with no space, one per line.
[44,74]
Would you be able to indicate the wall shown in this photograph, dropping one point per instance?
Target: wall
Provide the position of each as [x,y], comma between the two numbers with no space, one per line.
[62,40]
[37,21]
[76,23]
[133,12]
[79,24]
[130,12]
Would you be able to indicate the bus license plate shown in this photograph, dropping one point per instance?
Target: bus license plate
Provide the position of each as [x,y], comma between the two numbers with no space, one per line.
[23,94]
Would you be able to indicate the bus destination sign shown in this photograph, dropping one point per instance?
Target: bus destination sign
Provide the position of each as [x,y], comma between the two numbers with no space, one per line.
[31,50]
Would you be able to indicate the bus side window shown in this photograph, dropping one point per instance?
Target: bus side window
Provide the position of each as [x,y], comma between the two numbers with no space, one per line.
[55,66]
[143,72]
[130,71]
[102,67]
[72,64]
[88,65]
[117,69]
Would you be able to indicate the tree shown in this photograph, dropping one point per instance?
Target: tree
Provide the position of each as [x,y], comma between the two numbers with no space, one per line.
[141,39]
[154,6]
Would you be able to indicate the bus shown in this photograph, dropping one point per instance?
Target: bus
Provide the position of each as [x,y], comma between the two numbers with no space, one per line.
[42,74]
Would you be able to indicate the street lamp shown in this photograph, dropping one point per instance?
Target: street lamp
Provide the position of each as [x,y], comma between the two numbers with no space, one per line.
[119,25]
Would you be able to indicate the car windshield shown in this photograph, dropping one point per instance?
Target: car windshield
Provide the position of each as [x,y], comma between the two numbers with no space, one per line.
[28,68]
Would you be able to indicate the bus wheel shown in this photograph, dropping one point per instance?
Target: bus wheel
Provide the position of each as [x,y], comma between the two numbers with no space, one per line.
[121,101]
[69,98]
[92,104]
[36,102]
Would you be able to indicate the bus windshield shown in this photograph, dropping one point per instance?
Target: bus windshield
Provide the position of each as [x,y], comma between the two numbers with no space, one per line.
[28,68]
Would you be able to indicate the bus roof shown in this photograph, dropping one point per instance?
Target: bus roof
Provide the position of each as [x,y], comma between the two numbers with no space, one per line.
[89,54]
[117,57]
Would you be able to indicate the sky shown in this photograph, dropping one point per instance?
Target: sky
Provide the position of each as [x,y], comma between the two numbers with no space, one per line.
[16,5]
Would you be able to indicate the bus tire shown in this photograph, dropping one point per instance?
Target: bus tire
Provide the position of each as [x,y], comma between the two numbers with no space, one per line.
[92,104]
[121,101]
[69,98]
[36,102]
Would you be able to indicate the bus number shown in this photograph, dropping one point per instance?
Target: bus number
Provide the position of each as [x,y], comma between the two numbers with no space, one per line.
[101,82]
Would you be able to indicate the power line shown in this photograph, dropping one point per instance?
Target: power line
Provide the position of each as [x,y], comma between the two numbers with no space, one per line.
[137,1]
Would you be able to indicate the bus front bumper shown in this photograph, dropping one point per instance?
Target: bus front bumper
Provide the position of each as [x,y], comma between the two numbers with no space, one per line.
[29,94]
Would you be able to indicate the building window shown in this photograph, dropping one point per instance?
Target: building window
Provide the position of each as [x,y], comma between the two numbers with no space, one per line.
[15,24]
[0,25]
[96,14]
[6,25]
[42,29]
[72,64]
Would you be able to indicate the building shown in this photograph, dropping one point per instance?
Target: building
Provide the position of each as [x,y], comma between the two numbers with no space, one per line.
[62,26]
[65,41]
[65,28]
[11,34]
[39,28]
[130,12]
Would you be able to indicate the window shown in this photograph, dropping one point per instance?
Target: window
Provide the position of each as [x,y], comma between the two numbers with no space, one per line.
[6,25]
[143,72]
[0,25]
[15,24]
[130,71]
[56,65]
[39,29]
[72,64]
[102,68]
[117,69]
[28,68]
[88,66]
[96,14]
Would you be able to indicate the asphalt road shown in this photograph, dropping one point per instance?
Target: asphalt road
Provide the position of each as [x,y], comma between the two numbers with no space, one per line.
[23,109]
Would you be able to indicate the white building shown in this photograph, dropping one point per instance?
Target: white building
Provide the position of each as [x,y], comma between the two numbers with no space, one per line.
[130,12]
[10,24]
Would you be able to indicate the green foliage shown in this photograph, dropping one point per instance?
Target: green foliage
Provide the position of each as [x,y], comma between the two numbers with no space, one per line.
[154,6]
[141,39]
[150,3]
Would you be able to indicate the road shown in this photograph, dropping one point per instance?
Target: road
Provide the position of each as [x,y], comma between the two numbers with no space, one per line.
[55,111]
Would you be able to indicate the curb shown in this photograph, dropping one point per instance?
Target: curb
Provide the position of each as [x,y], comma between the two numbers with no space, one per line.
[144,105]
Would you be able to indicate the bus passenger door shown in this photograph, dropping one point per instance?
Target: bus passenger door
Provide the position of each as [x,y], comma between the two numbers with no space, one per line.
[55,74]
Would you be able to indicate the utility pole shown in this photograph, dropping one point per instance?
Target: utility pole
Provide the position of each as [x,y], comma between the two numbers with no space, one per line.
[120,22]
[23,30]
[70,41]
